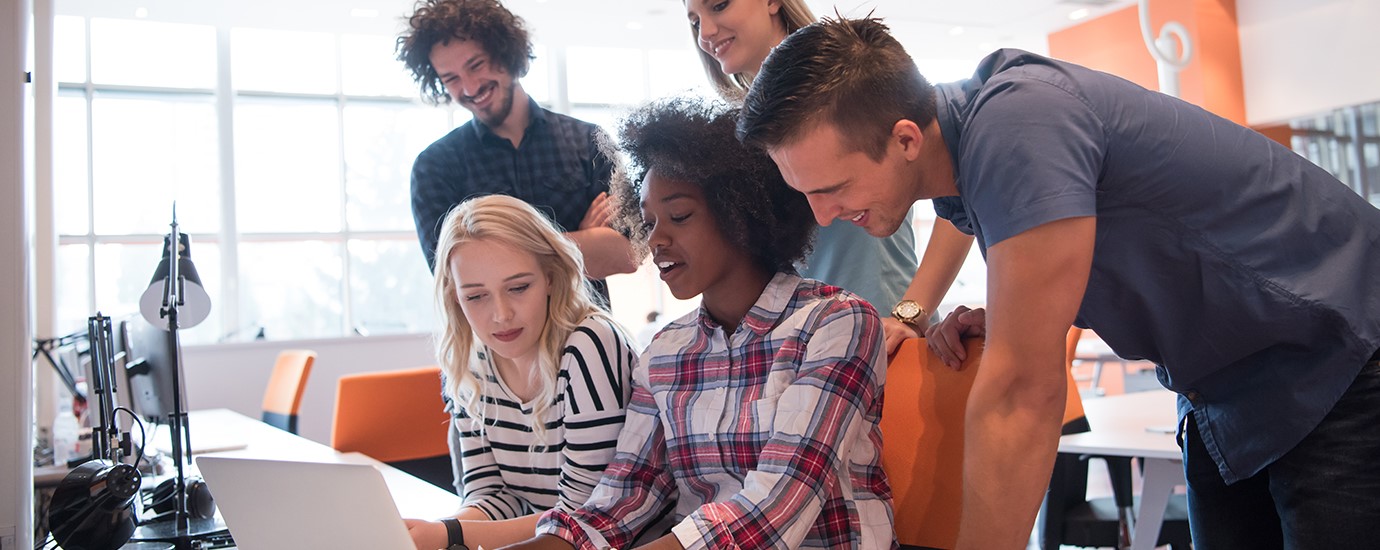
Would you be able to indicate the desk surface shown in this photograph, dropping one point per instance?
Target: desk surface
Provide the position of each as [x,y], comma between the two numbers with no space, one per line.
[1135,424]
[415,498]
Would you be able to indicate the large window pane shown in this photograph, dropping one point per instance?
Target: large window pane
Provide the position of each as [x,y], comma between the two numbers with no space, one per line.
[73,291]
[149,151]
[605,75]
[607,118]
[291,290]
[146,53]
[390,288]
[283,61]
[123,272]
[371,69]
[381,141]
[677,72]
[287,166]
[537,83]
[69,48]
[72,195]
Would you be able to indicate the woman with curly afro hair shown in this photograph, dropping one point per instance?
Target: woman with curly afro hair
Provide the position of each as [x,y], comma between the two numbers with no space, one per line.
[753,421]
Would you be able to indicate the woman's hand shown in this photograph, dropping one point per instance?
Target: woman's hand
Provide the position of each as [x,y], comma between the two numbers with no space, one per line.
[427,535]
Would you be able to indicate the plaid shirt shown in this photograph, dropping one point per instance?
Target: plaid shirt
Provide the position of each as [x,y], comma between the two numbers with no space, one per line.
[766,438]
[557,168]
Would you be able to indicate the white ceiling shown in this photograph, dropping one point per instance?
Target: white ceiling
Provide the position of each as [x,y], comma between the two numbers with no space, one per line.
[934,31]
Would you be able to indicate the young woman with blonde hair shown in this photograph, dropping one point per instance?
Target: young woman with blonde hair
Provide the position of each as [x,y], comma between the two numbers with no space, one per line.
[734,37]
[536,374]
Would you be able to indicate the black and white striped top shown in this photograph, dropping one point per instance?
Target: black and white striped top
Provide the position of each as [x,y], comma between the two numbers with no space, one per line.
[502,469]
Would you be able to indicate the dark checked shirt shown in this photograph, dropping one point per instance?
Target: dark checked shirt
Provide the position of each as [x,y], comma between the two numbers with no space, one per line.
[764,438]
[557,168]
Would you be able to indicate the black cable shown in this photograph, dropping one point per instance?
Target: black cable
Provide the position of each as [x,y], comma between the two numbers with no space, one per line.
[143,435]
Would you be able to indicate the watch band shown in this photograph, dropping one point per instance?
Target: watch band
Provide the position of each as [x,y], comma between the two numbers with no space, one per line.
[455,535]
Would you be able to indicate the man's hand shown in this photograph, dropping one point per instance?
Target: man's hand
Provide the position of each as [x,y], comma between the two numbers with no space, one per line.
[896,332]
[427,535]
[945,338]
[599,213]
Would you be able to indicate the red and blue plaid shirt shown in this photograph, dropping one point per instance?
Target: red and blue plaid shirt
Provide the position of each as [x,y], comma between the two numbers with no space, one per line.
[766,438]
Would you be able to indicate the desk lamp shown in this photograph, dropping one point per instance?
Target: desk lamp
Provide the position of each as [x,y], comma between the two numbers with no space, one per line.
[175,300]
[92,507]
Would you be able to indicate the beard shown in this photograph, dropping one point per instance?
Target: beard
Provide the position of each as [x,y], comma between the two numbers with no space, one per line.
[499,108]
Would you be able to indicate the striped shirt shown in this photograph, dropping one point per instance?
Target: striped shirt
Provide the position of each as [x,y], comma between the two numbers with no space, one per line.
[501,467]
[765,438]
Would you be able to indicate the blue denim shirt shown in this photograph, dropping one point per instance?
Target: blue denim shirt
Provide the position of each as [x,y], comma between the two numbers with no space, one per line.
[1250,276]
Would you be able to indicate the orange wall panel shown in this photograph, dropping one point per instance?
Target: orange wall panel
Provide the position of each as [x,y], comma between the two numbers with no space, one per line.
[1113,43]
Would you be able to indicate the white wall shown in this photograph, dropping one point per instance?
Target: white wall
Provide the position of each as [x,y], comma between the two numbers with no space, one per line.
[1304,57]
[234,376]
[16,377]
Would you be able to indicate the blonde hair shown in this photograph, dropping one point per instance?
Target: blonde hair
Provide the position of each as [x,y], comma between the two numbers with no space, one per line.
[794,14]
[515,225]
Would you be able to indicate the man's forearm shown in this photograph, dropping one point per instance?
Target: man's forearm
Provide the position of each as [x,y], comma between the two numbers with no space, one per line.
[944,256]
[1011,437]
[606,251]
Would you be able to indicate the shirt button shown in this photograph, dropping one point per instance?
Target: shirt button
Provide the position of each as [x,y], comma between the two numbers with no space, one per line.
[1192,396]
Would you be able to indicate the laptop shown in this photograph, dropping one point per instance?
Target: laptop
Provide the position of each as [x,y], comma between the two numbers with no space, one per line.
[285,505]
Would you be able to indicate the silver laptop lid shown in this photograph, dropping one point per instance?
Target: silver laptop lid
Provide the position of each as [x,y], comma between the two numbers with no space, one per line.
[276,504]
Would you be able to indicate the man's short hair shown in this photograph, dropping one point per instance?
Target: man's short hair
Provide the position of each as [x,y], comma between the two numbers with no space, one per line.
[848,72]
[502,35]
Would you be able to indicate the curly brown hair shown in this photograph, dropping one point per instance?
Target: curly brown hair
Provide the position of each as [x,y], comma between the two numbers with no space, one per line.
[501,34]
[691,139]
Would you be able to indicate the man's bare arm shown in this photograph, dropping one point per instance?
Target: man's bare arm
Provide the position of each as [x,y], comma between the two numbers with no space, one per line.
[1035,285]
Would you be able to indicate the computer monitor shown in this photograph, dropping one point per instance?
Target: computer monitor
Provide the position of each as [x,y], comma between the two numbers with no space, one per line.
[149,367]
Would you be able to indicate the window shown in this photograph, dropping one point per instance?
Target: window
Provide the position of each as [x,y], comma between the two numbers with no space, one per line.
[291,178]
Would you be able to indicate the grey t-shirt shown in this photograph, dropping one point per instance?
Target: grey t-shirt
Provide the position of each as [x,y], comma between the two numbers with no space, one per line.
[1249,275]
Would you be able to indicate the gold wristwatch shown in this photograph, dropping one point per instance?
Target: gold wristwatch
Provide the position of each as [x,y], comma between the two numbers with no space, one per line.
[908,312]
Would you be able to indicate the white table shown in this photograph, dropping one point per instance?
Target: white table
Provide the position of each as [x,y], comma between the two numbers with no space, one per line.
[1141,425]
[415,498]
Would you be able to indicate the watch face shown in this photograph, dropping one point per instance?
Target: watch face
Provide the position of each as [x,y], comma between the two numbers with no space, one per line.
[907,309]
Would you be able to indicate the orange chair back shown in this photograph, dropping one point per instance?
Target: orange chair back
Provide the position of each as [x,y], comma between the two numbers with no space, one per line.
[287,383]
[391,415]
[922,434]
[922,439]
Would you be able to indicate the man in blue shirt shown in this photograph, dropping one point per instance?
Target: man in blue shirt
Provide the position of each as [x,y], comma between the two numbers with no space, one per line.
[1248,275]
[474,52]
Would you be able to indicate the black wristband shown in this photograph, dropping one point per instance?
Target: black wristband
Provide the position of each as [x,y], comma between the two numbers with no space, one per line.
[455,536]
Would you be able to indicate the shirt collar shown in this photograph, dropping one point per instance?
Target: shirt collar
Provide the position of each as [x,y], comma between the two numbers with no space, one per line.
[767,311]
[537,119]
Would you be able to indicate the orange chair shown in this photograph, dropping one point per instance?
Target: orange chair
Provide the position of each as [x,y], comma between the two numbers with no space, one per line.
[922,441]
[287,383]
[397,417]
[922,432]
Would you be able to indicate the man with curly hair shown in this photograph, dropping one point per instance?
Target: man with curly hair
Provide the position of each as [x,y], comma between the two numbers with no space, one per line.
[753,421]
[474,52]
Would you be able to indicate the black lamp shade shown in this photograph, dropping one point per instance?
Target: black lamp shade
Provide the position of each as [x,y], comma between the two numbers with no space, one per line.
[91,508]
[196,304]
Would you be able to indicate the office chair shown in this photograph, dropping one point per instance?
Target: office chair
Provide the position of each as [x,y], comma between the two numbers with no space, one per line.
[1068,517]
[283,396]
[396,417]
[922,440]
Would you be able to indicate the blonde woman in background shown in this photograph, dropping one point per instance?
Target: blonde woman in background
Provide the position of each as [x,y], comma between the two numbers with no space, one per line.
[536,375]
[734,37]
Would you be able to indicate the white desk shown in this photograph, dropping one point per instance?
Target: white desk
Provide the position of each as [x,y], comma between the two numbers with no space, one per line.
[415,498]
[1142,425]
